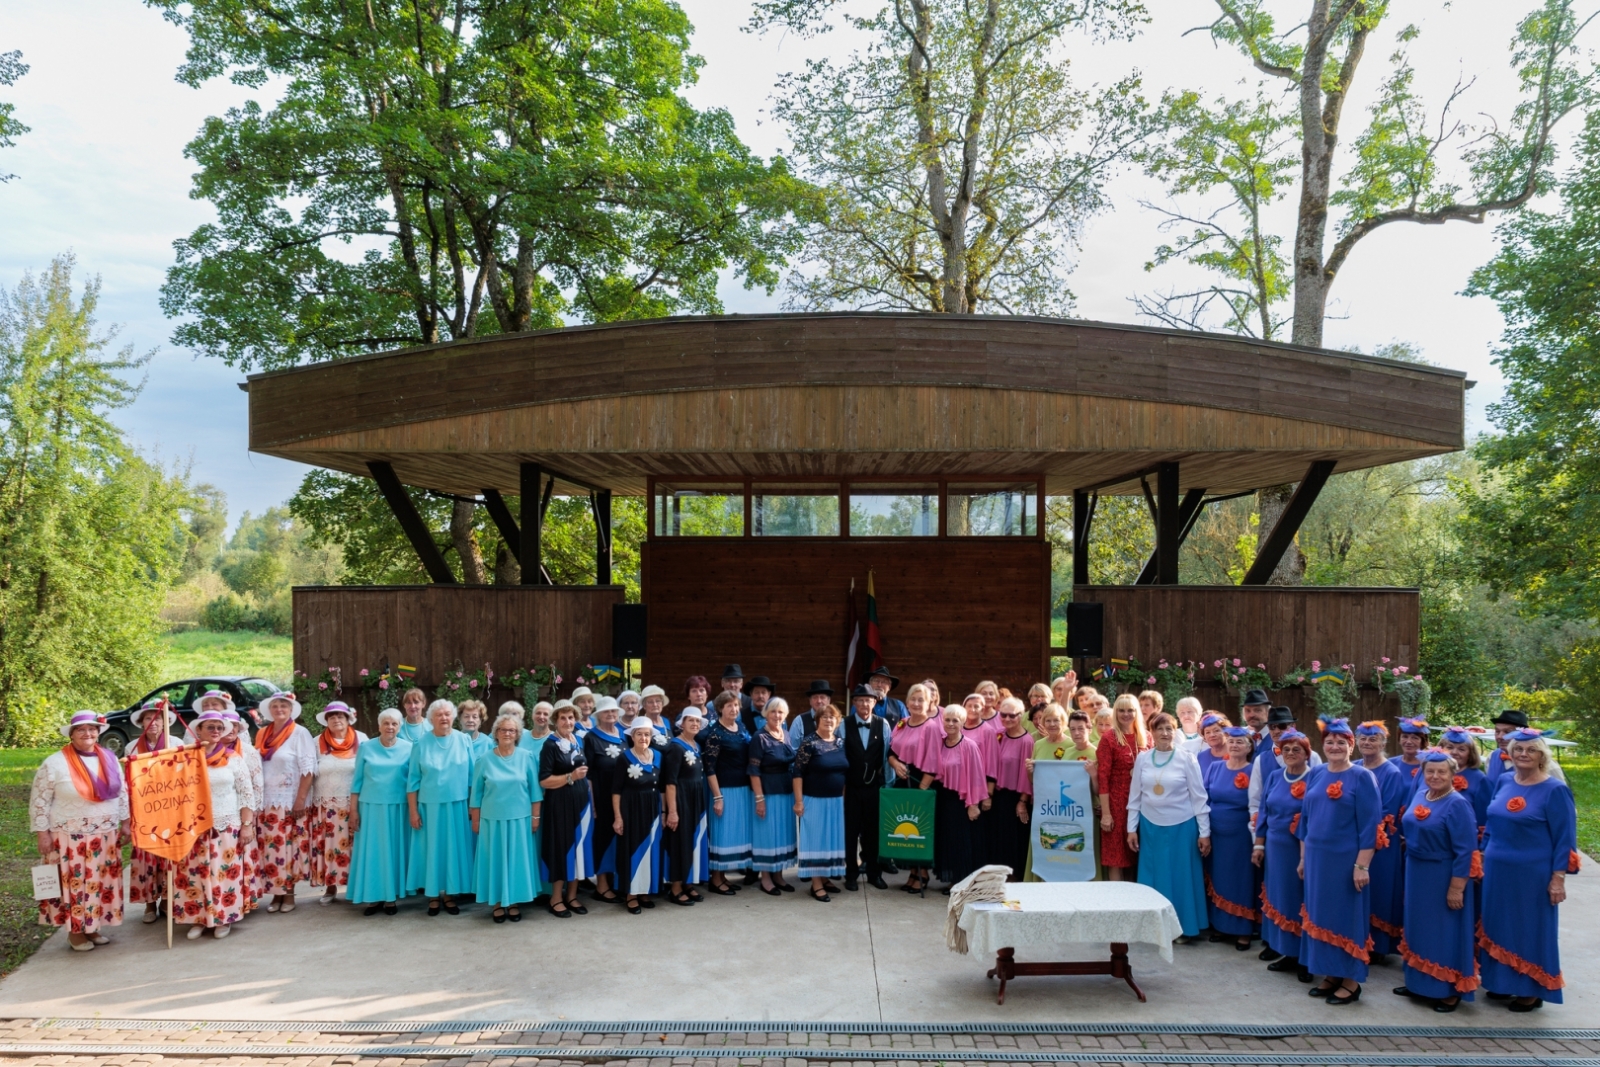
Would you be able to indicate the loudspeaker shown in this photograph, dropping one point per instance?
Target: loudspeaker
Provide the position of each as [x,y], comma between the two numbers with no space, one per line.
[629,631]
[1085,629]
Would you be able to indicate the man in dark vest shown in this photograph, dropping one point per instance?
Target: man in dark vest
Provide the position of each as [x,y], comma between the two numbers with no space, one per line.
[866,746]
[820,695]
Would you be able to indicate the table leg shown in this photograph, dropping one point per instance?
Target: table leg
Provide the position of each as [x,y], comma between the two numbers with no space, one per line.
[1120,967]
[1005,967]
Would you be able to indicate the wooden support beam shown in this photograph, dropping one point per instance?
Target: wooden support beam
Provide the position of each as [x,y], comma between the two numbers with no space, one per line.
[600,503]
[1194,501]
[531,543]
[1168,524]
[416,531]
[1288,524]
[504,521]
[1083,505]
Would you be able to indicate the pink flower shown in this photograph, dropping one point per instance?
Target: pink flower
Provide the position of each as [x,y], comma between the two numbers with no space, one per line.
[1261,666]
[472,684]
[1218,663]
[363,672]
[1386,659]
[1150,680]
[1162,665]
[383,683]
[1401,670]
[322,685]
[558,679]
[1236,661]
[1316,665]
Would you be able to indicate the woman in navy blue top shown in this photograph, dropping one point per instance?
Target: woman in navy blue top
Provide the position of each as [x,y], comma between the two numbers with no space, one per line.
[727,753]
[819,773]
[771,766]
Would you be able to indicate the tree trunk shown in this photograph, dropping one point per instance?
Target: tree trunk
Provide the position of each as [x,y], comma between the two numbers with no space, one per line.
[466,543]
[507,571]
[1291,569]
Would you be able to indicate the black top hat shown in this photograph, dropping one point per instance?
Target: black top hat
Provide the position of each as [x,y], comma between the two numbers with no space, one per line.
[883,672]
[1511,717]
[732,671]
[1255,696]
[819,686]
[862,691]
[761,681]
[1280,716]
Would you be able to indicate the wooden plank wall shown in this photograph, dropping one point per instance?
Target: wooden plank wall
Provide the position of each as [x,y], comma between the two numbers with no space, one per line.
[956,610]
[1281,627]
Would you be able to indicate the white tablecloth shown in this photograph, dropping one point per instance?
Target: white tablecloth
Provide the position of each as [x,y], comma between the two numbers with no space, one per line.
[1070,913]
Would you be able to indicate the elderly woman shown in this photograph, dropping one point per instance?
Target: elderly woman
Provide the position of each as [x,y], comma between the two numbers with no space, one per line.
[1168,799]
[208,887]
[147,880]
[289,766]
[962,787]
[1062,689]
[533,738]
[413,704]
[1230,878]
[603,748]
[1114,758]
[1414,734]
[1387,891]
[503,803]
[914,745]
[628,706]
[696,692]
[568,828]
[1528,850]
[771,766]
[1151,704]
[1338,833]
[1013,789]
[685,846]
[469,720]
[583,704]
[330,814]
[79,811]
[1277,849]
[652,702]
[238,741]
[820,765]
[438,781]
[380,838]
[727,752]
[1470,778]
[1189,712]
[1441,837]
[1039,698]
[636,818]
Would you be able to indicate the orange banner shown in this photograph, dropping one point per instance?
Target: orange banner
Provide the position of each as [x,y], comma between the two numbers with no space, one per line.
[169,799]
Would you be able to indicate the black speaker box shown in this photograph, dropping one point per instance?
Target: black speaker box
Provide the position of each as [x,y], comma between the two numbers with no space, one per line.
[1085,629]
[629,631]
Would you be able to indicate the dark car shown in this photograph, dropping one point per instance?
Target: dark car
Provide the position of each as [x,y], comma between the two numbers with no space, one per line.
[248,695]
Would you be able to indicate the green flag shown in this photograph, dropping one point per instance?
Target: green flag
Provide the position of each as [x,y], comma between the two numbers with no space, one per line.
[905,820]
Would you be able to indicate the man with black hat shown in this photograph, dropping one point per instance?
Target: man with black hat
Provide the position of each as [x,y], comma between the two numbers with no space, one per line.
[1279,719]
[883,683]
[1254,711]
[820,695]
[761,691]
[1506,723]
[733,682]
[866,746]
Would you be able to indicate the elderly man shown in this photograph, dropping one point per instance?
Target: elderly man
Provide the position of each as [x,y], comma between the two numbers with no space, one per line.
[883,683]
[754,715]
[820,695]
[1254,711]
[1506,723]
[866,746]
[733,682]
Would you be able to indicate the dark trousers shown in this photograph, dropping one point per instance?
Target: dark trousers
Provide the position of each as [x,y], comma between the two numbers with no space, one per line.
[860,827]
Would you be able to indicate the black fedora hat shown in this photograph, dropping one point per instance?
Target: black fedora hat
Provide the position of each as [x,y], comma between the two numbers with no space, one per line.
[1280,715]
[1511,717]
[732,671]
[883,672]
[1255,696]
[863,691]
[820,685]
[761,681]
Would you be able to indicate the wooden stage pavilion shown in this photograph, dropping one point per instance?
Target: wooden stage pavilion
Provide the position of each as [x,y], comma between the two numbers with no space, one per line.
[785,455]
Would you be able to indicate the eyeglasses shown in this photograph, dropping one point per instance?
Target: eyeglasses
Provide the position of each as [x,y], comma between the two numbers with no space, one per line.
[1003,715]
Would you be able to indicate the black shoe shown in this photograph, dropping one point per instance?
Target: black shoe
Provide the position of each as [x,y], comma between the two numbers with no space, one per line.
[820,895]
[1519,1008]
[888,867]
[1284,964]
[1269,954]
[391,908]
[1323,990]
[1402,991]
[1334,1000]
[372,909]
[1244,944]
[1445,1009]
[577,909]
[850,884]
[648,902]
[499,915]
[772,891]
[1305,976]
[1498,996]
[1216,938]
[751,878]
[433,907]
[564,913]
[452,909]
[723,890]
[514,915]
[785,887]
[634,909]
[877,882]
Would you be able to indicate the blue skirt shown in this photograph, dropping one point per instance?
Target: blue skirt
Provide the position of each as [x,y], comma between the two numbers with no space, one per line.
[1169,863]
[505,868]
[1438,948]
[773,837]
[1231,888]
[441,852]
[1388,893]
[378,854]
[822,838]
[1282,894]
[1519,944]
[730,831]
[1336,918]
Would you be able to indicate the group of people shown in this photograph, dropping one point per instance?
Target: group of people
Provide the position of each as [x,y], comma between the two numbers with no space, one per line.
[1331,858]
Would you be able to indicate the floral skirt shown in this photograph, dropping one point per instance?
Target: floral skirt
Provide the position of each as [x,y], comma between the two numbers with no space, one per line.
[91,882]
[210,883]
[285,851]
[330,842]
[147,879]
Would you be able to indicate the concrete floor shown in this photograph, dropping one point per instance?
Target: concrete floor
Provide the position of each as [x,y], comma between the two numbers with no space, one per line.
[866,957]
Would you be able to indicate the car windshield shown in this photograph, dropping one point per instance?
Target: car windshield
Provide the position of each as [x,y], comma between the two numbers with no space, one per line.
[257,689]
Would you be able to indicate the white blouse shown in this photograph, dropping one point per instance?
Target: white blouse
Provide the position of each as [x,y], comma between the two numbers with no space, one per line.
[334,775]
[1183,791]
[55,803]
[252,759]
[281,774]
[230,791]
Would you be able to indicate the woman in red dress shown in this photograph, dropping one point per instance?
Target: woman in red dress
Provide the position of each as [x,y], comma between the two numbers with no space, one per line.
[1118,748]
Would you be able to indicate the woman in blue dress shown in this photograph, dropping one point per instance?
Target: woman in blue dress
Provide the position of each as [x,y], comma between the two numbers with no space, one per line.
[380,845]
[568,818]
[727,751]
[1471,780]
[1169,824]
[469,720]
[636,818]
[772,840]
[685,841]
[1214,747]
[1277,851]
[437,783]
[1441,846]
[1388,887]
[1338,833]
[603,747]
[1230,877]
[1414,736]
[504,807]
[820,765]
[1528,851]
[414,724]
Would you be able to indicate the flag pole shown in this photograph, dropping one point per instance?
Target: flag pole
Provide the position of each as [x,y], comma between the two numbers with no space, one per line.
[169,903]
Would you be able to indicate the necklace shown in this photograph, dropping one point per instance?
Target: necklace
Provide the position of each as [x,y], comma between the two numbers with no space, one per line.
[1297,777]
[1159,788]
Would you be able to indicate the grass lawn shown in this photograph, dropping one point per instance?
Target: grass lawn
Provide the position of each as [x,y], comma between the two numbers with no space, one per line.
[20,932]
[1583,774]
[199,652]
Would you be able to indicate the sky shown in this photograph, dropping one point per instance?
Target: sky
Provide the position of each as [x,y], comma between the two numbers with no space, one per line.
[102,175]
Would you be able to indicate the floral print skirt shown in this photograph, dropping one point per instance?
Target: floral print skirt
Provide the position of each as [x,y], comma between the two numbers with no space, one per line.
[91,882]
[147,879]
[285,843]
[330,842]
[210,883]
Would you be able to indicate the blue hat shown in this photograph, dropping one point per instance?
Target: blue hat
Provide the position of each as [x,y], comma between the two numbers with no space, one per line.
[1527,735]
[1433,755]
[1237,731]
[1337,726]
[1372,728]
[1414,726]
[1212,719]
[1456,735]
[1292,735]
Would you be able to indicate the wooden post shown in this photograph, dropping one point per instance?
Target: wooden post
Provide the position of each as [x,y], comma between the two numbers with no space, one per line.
[1082,517]
[416,530]
[1188,515]
[495,504]
[531,541]
[1168,524]
[600,503]
[169,903]
[1288,524]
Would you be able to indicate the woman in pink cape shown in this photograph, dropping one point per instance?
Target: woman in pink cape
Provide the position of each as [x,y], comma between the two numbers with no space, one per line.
[913,749]
[963,785]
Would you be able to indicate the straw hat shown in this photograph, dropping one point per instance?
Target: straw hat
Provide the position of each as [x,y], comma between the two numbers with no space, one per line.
[652,691]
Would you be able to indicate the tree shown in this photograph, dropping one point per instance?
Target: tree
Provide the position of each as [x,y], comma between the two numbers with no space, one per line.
[11,68]
[91,535]
[950,183]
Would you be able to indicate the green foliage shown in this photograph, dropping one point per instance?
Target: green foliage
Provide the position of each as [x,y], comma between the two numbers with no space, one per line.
[200,652]
[11,68]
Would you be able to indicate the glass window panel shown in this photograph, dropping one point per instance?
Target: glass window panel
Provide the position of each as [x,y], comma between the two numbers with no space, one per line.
[994,510]
[709,510]
[894,511]
[798,510]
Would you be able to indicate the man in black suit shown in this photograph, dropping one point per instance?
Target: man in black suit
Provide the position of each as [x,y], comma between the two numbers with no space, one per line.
[866,746]
[733,682]
[883,683]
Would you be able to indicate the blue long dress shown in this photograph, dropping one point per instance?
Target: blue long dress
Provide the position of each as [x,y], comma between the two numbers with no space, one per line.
[1438,951]
[534,746]
[1339,818]
[480,742]
[415,731]
[637,784]
[1281,891]
[440,773]
[820,767]
[1519,954]
[505,865]
[1207,760]
[382,845]
[772,838]
[727,755]
[1230,876]
[1476,787]
[1388,888]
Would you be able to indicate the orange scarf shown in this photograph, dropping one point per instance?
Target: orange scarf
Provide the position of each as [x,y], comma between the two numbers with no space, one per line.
[272,738]
[94,790]
[218,756]
[345,749]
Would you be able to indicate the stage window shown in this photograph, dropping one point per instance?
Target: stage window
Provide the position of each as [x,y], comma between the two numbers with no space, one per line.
[996,509]
[795,510]
[894,511]
[711,510]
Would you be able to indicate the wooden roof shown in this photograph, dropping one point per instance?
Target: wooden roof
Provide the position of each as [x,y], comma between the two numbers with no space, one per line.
[841,395]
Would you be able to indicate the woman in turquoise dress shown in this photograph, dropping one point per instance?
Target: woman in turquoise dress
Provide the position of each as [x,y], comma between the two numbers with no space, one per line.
[437,784]
[504,807]
[413,704]
[381,842]
[469,720]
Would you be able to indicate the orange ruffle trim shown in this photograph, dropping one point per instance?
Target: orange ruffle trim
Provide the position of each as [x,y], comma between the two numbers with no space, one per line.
[1517,963]
[1476,870]
[1461,983]
[1574,861]
[1388,927]
[1294,823]
[1238,911]
[1338,941]
[1276,917]
[1335,790]
[1383,831]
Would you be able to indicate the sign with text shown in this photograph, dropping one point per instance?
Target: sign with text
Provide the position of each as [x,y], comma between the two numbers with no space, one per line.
[1062,829]
[905,818]
[169,801]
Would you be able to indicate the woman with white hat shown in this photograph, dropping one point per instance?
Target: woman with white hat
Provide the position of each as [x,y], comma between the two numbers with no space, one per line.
[603,748]
[627,707]
[147,880]
[504,807]
[380,839]
[437,784]
[652,701]
[636,818]
[330,808]
[568,823]
[288,765]
[238,740]
[583,704]
[79,812]
[210,888]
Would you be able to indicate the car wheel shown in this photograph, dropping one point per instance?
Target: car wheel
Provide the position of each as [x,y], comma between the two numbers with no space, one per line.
[114,739]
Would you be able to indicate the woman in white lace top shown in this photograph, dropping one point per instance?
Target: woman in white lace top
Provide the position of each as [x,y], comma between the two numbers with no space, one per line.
[288,767]
[79,813]
[209,889]
[330,810]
